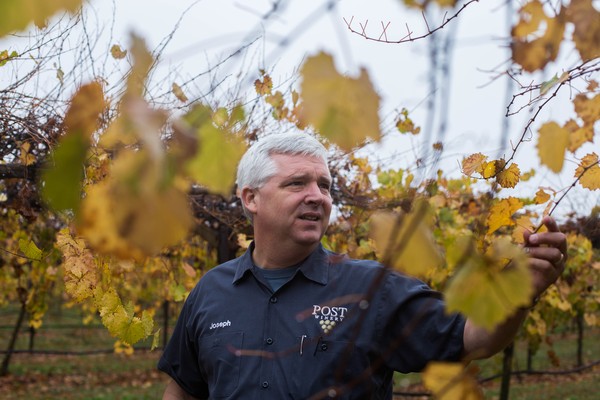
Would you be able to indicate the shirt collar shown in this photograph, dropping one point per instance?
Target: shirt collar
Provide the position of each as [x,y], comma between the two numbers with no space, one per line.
[314,267]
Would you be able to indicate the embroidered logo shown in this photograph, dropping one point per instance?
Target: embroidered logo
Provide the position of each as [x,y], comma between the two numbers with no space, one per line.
[222,324]
[328,316]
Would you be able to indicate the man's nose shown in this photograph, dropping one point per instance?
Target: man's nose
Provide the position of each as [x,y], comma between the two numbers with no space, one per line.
[313,193]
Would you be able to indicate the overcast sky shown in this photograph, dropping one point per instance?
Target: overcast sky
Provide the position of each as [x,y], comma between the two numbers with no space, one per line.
[210,30]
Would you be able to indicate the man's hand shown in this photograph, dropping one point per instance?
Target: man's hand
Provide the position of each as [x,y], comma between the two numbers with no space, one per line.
[547,255]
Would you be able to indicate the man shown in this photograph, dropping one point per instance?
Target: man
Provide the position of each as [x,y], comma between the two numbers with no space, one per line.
[291,320]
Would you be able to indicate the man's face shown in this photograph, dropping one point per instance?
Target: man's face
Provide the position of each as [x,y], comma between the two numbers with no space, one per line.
[294,205]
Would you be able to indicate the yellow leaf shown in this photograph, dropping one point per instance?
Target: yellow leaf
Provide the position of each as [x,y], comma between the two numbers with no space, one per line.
[178,92]
[523,223]
[123,348]
[220,117]
[501,213]
[215,164]
[588,172]
[405,124]
[25,156]
[541,197]
[487,291]
[489,169]
[80,270]
[243,241]
[17,14]
[143,61]
[536,326]
[115,217]
[405,242]
[509,177]
[552,144]
[586,20]
[117,52]
[591,319]
[451,381]
[473,163]
[343,109]
[531,16]
[531,48]
[86,107]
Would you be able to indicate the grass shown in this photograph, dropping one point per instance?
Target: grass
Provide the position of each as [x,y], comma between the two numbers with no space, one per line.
[117,376]
[102,376]
[574,386]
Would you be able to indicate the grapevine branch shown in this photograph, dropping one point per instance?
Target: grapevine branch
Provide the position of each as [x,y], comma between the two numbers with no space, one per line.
[585,169]
[574,73]
[408,37]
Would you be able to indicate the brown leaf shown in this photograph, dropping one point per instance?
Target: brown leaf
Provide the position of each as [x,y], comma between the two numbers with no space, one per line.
[473,163]
[534,54]
[586,35]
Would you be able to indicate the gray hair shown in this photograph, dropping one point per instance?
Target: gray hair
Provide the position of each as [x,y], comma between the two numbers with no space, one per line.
[256,166]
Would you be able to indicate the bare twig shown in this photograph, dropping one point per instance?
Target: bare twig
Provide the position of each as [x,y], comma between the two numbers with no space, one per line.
[408,37]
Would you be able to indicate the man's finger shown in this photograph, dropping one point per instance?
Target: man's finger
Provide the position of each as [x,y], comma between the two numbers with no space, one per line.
[550,224]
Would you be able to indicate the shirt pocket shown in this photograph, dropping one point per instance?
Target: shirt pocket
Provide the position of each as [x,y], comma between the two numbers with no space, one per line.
[324,366]
[219,356]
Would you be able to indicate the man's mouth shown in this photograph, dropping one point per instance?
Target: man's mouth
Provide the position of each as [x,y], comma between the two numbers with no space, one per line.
[310,217]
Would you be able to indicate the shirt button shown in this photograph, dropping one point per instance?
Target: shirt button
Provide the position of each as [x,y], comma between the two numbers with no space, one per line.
[265,384]
[269,341]
[324,347]
[273,299]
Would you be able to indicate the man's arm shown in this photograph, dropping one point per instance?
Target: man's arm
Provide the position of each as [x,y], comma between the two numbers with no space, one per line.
[547,252]
[175,392]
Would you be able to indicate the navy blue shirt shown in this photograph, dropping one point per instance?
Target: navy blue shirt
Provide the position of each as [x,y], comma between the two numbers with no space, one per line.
[337,329]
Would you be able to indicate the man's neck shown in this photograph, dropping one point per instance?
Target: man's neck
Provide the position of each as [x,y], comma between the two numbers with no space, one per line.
[280,257]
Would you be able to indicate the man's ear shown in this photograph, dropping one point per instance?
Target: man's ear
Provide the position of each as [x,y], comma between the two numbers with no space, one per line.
[248,197]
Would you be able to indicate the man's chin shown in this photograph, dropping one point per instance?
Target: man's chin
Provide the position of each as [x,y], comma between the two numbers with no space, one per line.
[309,240]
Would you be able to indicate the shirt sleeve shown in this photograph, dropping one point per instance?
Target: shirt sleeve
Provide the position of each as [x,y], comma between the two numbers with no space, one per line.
[180,357]
[415,326]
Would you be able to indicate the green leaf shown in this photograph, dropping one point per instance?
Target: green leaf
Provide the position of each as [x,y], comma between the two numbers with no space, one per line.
[155,340]
[5,57]
[30,250]
[120,320]
[215,163]
[63,182]
[484,289]
[178,291]
[546,86]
